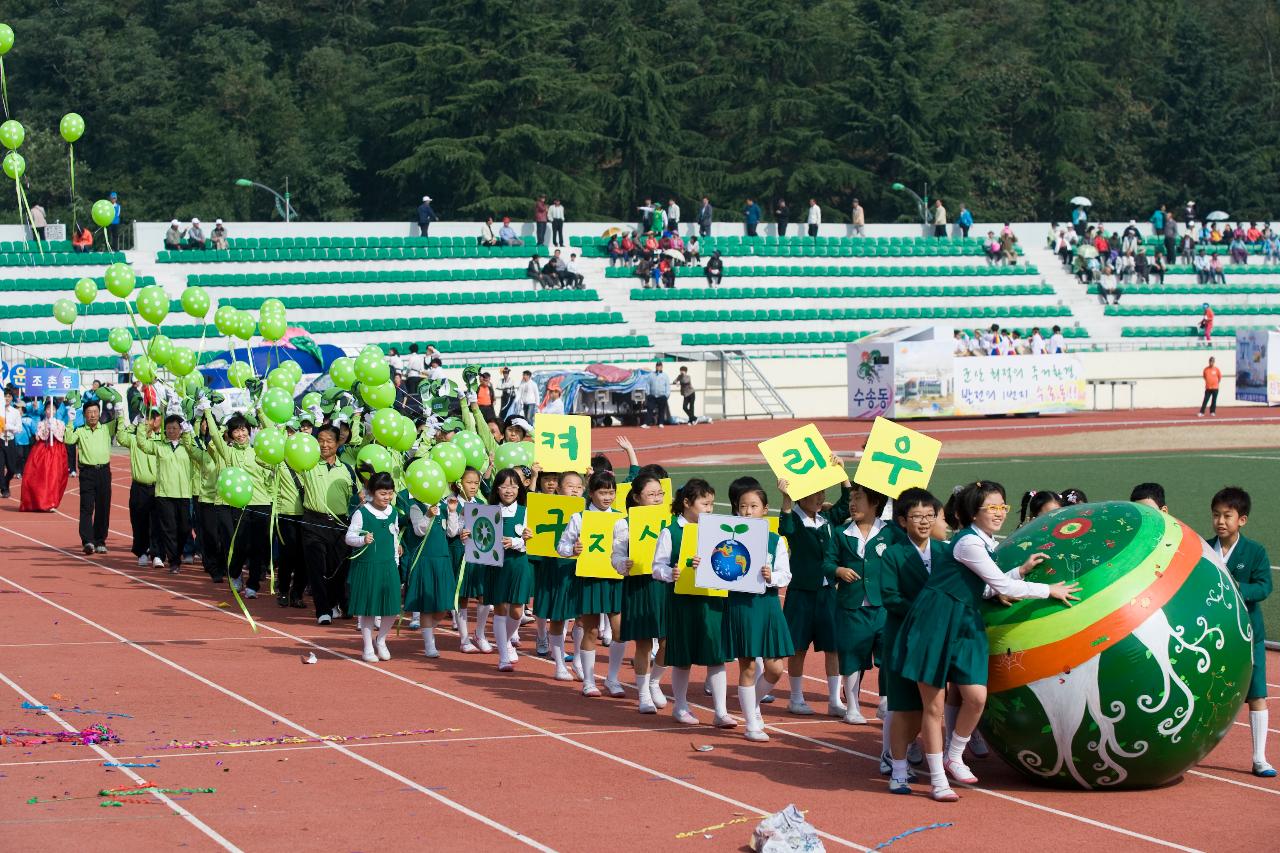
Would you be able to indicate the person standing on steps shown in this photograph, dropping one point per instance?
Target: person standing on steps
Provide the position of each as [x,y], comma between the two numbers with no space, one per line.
[1212,379]
[426,215]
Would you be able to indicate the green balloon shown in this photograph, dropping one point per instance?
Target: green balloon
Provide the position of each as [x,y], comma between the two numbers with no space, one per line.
[71,127]
[195,301]
[274,307]
[238,373]
[193,383]
[386,426]
[277,404]
[120,279]
[224,320]
[161,350]
[244,325]
[11,135]
[14,165]
[86,291]
[372,370]
[408,435]
[182,361]
[64,311]
[120,340]
[273,328]
[426,481]
[302,452]
[512,454]
[374,455]
[311,399]
[281,378]
[269,445]
[6,38]
[144,369]
[235,487]
[153,304]
[450,460]
[103,213]
[473,449]
[378,396]
[343,373]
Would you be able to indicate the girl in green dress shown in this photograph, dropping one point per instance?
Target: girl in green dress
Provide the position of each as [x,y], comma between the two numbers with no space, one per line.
[467,490]
[546,483]
[694,622]
[645,601]
[754,627]
[511,584]
[425,564]
[375,571]
[553,591]
[943,637]
[594,595]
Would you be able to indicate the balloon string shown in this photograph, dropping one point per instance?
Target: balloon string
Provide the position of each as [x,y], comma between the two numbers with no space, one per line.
[4,88]
[128,307]
[71,156]
[462,571]
[271,529]
[231,547]
[22,200]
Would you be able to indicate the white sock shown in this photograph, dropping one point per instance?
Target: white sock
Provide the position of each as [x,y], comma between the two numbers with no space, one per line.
[900,771]
[482,616]
[588,659]
[949,714]
[577,635]
[655,674]
[513,627]
[955,751]
[750,708]
[680,688]
[797,688]
[501,633]
[367,633]
[642,687]
[384,628]
[719,689]
[833,689]
[417,616]
[887,716]
[617,654]
[359,623]
[542,630]
[606,630]
[557,651]
[937,776]
[460,622]
[1258,728]
[851,685]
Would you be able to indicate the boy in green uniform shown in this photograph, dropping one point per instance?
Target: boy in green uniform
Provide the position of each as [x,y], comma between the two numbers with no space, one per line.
[142,488]
[1248,564]
[93,454]
[329,491]
[172,463]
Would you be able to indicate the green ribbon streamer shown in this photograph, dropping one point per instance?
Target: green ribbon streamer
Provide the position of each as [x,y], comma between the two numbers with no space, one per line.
[462,572]
[71,156]
[231,548]
[417,555]
[4,88]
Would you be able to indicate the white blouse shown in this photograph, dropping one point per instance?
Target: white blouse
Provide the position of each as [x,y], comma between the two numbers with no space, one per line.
[974,552]
[356,531]
[573,532]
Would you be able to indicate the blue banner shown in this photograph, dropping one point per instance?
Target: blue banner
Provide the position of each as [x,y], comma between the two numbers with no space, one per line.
[45,381]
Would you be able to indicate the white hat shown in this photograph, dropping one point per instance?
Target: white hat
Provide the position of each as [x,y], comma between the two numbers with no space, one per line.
[195,221]
[217,222]
[426,198]
[173,222]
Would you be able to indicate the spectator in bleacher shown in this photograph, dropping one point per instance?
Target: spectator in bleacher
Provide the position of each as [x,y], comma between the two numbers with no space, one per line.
[117,212]
[173,236]
[1131,239]
[858,220]
[1271,247]
[551,273]
[1170,236]
[1037,345]
[1142,269]
[1157,221]
[561,268]
[484,398]
[1187,248]
[939,219]
[630,251]
[35,230]
[1253,235]
[1108,287]
[1206,324]
[527,395]
[705,214]
[814,220]
[964,220]
[1128,268]
[488,235]
[664,242]
[644,272]
[534,271]
[506,389]
[1057,344]
[1215,236]
[1062,246]
[650,248]
[1080,219]
[991,249]
[1201,264]
[676,242]
[82,240]
[426,215]
[576,279]
[751,217]
[219,235]
[782,215]
[692,249]
[556,214]
[1156,269]
[1189,214]
[507,234]
[414,366]
[195,236]
[614,250]
[667,272]
[656,398]
[673,215]
[1239,251]
[714,270]
[645,223]
[1009,246]
[1217,274]
[1204,234]
[658,221]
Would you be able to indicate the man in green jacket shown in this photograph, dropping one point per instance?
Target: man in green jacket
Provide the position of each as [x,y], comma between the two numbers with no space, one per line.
[93,454]
[142,488]
[172,460]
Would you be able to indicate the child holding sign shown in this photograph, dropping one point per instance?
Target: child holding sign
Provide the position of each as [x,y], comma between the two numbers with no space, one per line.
[553,598]
[473,578]
[645,601]
[754,627]
[594,595]
[695,622]
[375,572]
[943,637]
[511,584]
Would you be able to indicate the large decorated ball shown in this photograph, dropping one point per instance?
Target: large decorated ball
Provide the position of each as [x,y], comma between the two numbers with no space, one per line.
[730,560]
[1142,677]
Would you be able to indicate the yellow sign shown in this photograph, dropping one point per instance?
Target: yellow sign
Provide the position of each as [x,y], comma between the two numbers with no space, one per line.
[802,458]
[688,550]
[644,524]
[597,546]
[562,442]
[773,523]
[624,489]
[547,517]
[896,458]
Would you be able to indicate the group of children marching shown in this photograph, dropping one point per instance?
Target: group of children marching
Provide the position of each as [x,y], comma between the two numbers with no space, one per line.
[870,583]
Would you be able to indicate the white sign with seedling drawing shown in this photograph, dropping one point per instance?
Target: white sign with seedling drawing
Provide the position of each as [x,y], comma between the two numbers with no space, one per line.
[732,552]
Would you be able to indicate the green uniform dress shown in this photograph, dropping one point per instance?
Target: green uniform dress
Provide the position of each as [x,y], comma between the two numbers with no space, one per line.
[553,590]
[943,637]
[695,623]
[753,622]
[1249,565]
[859,610]
[475,580]
[902,575]
[375,575]
[512,582]
[810,603]
[425,565]
[597,595]
[646,601]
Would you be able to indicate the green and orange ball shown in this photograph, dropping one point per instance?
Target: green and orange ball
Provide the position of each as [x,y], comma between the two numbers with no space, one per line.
[1141,678]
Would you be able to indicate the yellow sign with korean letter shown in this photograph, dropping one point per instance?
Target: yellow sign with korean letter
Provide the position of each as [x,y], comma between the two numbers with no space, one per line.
[620,497]
[896,458]
[562,442]
[597,546]
[803,459]
[644,524]
[688,550]
[547,517]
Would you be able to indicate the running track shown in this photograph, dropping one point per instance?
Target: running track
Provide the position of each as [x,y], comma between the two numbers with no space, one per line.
[532,763]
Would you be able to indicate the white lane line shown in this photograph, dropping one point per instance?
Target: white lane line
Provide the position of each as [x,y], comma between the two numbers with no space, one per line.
[148,642]
[164,798]
[389,674]
[1275,791]
[244,700]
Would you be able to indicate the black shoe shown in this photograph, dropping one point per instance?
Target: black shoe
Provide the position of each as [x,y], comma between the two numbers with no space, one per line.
[282,600]
[4,494]
[88,549]
[297,602]
[101,549]
[218,578]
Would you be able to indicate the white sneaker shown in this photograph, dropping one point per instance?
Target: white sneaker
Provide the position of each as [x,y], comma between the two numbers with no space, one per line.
[369,656]
[239,582]
[563,674]
[614,689]
[756,736]
[157,563]
[415,625]
[655,693]
[483,645]
[915,755]
[662,426]
[685,718]
[143,561]
[642,426]
[468,647]
[383,652]
[249,592]
[647,706]
[324,619]
[337,612]
[854,717]
[836,709]
[541,648]
[800,709]
[958,771]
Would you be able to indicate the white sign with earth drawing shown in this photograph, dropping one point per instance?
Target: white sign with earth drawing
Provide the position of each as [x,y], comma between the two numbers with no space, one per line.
[732,552]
